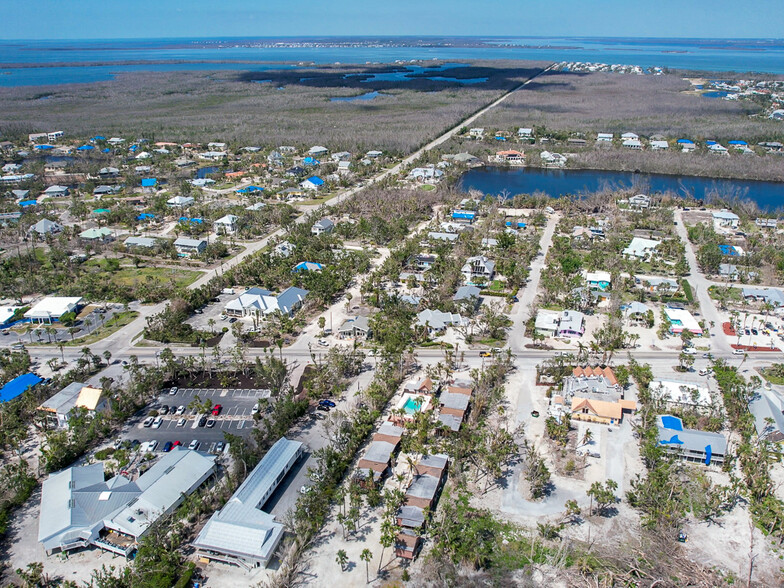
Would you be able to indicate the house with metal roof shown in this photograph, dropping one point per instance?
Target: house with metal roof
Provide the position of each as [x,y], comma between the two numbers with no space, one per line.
[767,295]
[690,444]
[258,302]
[102,235]
[45,227]
[767,408]
[58,409]
[79,508]
[437,321]
[226,225]
[241,533]
[357,327]
[725,219]
[140,242]
[180,201]
[322,226]
[56,191]
[640,248]
[681,394]
[377,458]
[187,247]
[478,267]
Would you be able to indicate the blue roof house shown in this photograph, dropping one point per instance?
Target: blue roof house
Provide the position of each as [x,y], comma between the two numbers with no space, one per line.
[149,182]
[313,183]
[690,444]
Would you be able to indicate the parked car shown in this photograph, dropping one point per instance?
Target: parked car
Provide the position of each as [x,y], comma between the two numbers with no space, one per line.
[256,409]
[163,410]
[328,403]
[485,354]
[181,422]
[156,424]
[754,332]
[181,409]
[690,351]
[194,444]
[167,447]
[220,446]
[202,420]
[173,391]
[233,320]
[738,352]
[322,407]
[747,332]
[135,443]
[216,410]
[177,444]
[210,423]
[152,445]
[148,422]
[323,342]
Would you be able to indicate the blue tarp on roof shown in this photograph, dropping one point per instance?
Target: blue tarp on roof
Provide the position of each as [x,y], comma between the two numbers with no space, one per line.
[85,148]
[249,190]
[17,386]
[685,141]
[315,180]
[133,148]
[107,150]
[737,142]
[311,161]
[711,142]
[145,216]
[195,221]
[464,214]
[98,138]
[26,203]
[517,225]
[307,266]
[149,182]
[728,250]
[44,147]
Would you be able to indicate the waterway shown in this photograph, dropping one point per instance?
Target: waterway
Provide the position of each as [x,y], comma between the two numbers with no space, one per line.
[84,56]
[566,182]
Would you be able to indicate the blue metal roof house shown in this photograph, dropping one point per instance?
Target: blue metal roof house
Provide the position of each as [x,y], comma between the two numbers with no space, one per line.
[18,386]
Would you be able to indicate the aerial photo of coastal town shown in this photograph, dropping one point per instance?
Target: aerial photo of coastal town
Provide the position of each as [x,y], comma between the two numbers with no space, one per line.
[445,294]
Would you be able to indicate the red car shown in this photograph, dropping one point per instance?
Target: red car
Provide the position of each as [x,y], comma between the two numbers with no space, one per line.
[216,410]
[176,443]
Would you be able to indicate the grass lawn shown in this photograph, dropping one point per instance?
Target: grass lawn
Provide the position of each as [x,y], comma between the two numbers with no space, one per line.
[730,294]
[777,379]
[496,286]
[113,325]
[128,276]
[427,187]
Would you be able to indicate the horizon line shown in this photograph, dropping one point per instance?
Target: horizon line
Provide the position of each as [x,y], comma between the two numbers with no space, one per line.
[395,36]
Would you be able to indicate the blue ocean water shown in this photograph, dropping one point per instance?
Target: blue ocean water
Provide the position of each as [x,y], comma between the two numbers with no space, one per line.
[759,55]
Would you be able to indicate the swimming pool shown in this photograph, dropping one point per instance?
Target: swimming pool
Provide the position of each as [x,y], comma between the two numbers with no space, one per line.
[412,406]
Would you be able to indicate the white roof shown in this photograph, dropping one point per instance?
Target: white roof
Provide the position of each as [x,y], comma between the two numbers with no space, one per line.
[547,320]
[180,200]
[53,307]
[229,219]
[598,276]
[640,247]
[682,392]
[725,215]
[682,319]
[6,312]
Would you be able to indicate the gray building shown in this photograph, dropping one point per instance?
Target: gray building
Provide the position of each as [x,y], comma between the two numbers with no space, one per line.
[79,508]
[690,444]
[767,408]
[241,533]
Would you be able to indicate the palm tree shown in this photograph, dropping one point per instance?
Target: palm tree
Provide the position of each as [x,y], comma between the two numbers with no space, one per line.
[587,437]
[341,558]
[366,556]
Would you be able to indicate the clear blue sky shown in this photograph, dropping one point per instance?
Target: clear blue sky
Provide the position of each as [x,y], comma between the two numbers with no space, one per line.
[78,19]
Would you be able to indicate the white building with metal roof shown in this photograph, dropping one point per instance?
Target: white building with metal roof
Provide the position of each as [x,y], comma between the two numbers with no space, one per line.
[241,533]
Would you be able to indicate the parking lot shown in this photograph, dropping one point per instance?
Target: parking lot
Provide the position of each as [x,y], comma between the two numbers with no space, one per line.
[235,417]
[200,320]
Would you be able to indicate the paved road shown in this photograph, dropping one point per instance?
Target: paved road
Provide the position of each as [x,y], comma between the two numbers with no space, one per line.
[522,311]
[700,285]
